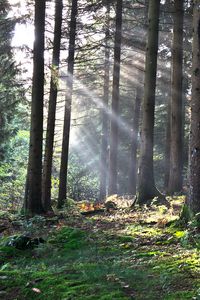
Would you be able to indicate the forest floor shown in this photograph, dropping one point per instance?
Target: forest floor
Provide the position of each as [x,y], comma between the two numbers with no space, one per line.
[122,254]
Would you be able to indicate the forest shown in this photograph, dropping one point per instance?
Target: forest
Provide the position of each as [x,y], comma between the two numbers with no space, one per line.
[100,149]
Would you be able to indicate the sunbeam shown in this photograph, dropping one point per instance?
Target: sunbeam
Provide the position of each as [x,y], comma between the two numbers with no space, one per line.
[95,99]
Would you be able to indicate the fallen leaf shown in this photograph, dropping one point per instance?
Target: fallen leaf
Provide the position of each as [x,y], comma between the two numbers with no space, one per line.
[36,290]
[126,286]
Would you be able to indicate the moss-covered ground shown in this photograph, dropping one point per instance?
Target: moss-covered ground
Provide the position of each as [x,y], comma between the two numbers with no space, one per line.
[112,256]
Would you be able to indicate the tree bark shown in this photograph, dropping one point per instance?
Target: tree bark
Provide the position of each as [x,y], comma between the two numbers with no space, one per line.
[48,156]
[167,146]
[104,141]
[33,204]
[134,138]
[68,100]
[194,195]
[146,182]
[176,147]
[112,188]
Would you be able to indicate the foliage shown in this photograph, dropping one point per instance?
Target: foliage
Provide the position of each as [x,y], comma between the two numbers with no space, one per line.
[82,181]
[22,242]
[11,90]
[13,143]
[34,226]
[13,172]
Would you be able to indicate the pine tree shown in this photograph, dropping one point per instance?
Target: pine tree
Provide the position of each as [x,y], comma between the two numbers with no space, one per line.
[68,102]
[11,90]
[176,143]
[194,196]
[146,184]
[104,141]
[112,188]
[33,201]
[134,137]
[46,188]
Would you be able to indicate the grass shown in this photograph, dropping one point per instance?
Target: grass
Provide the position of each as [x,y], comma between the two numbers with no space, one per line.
[137,262]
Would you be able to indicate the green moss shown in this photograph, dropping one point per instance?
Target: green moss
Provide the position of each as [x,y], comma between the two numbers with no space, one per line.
[74,264]
[180,295]
[114,295]
[125,238]
[6,251]
[69,238]
[180,234]
[144,231]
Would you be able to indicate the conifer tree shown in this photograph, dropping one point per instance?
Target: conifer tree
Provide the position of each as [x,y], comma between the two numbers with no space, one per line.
[194,196]
[48,156]
[146,183]
[112,188]
[176,143]
[11,90]
[104,141]
[134,137]
[33,200]
[68,102]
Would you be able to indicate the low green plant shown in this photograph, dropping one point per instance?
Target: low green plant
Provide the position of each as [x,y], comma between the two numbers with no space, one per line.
[34,226]
[69,238]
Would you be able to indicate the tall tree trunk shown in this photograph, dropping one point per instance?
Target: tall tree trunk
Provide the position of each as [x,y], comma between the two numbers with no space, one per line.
[33,204]
[68,100]
[134,138]
[112,189]
[167,146]
[146,182]
[166,160]
[194,197]
[48,156]
[176,147]
[104,141]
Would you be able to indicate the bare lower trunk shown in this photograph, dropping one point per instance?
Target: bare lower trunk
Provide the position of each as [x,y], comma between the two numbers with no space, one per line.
[48,156]
[146,183]
[62,195]
[167,147]
[104,141]
[134,140]
[194,196]
[33,204]
[112,189]
[176,147]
